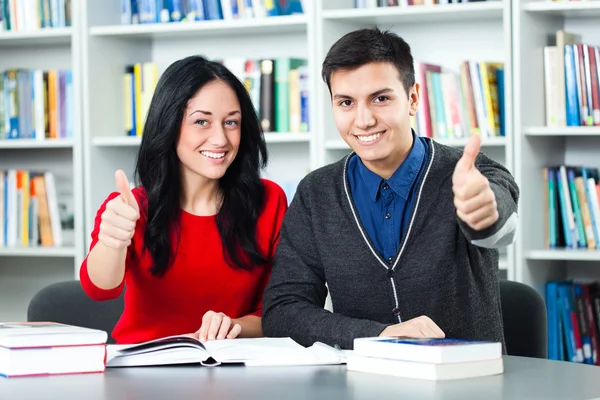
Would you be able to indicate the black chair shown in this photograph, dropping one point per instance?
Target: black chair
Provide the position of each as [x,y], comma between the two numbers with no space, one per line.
[525,320]
[67,303]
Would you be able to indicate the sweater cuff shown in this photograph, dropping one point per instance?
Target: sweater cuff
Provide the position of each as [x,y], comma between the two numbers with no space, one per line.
[502,232]
[362,329]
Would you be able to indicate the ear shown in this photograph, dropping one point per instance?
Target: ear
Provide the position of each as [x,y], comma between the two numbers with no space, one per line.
[413,99]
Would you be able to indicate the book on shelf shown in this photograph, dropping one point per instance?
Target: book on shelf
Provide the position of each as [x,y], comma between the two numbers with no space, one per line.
[34,15]
[29,209]
[36,104]
[174,11]
[48,348]
[460,104]
[185,349]
[139,83]
[430,359]
[571,207]
[573,310]
[571,81]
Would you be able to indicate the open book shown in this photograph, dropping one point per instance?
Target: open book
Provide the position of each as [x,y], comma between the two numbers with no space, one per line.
[184,349]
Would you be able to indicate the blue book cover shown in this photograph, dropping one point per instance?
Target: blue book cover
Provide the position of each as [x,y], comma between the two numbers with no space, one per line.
[445,342]
[572,100]
[501,106]
[212,9]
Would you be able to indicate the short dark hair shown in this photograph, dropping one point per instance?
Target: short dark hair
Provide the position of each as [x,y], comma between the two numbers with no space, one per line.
[370,45]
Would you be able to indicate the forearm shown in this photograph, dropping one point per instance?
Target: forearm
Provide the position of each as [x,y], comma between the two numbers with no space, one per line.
[106,266]
[307,323]
[251,326]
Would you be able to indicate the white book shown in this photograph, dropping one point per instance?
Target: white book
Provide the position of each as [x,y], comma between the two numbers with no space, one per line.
[185,349]
[432,351]
[47,348]
[18,335]
[433,372]
[52,201]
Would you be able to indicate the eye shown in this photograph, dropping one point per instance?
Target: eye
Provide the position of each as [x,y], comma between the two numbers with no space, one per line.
[232,122]
[345,103]
[380,99]
[201,122]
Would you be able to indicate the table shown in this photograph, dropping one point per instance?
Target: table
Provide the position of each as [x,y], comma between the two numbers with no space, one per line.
[524,378]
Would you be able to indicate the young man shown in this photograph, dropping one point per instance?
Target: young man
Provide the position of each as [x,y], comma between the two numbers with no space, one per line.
[404,231]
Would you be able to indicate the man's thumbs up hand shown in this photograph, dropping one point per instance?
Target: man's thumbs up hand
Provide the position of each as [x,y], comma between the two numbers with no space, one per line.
[474,199]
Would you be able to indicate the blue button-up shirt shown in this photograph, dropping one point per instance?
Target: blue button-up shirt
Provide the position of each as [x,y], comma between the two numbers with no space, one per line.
[384,206]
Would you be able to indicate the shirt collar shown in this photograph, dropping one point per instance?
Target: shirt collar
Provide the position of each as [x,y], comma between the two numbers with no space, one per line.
[402,179]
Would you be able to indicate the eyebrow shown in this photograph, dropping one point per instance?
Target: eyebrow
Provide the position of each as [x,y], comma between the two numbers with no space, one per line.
[209,113]
[374,94]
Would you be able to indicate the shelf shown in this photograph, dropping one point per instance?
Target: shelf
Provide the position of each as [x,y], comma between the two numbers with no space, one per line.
[564,255]
[258,26]
[417,14]
[37,252]
[573,9]
[35,38]
[116,141]
[339,144]
[132,141]
[562,131]
[36,144]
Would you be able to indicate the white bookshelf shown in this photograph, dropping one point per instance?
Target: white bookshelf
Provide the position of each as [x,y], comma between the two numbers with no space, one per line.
[98,47]
[444,35]
[50,36]
[258,26]
[537,146]
[25,270]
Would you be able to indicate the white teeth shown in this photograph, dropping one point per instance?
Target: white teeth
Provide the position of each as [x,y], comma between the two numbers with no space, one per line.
[212,155]
[369,138]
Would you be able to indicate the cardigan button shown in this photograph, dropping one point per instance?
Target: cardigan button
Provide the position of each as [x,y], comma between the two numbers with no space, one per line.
[396,311]
[391,273]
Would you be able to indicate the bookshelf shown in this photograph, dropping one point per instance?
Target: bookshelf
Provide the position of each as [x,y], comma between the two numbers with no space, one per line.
[537,146]
[98,47]
[25,270]
[483,32]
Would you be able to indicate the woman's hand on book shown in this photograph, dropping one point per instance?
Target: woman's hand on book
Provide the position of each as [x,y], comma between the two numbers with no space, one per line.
[420,327]
[120,216]
[217,326]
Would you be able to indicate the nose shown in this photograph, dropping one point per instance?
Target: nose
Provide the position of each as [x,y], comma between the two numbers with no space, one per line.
[218,138]
[364,117]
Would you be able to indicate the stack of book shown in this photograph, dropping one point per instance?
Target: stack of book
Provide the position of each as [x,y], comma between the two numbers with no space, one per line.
[47,348]
[430,359]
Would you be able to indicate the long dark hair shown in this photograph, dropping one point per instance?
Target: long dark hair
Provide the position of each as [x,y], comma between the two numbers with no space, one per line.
[158,167]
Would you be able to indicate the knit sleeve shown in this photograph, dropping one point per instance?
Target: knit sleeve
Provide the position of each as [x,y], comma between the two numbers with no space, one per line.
[295,297]
[502,233]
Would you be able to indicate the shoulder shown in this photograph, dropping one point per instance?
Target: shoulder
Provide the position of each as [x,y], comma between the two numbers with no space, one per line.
[324,177]
[275,200]
[273,192]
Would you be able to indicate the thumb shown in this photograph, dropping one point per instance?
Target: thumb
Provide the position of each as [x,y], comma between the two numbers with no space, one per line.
[125,190]
[467,161]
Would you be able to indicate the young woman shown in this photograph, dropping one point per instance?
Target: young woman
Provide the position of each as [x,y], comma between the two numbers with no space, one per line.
[192,244]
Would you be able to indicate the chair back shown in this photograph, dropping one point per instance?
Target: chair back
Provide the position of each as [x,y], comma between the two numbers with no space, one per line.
[525,320]
[67,303]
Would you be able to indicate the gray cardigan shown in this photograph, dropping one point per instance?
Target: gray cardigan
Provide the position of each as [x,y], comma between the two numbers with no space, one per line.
[443,268]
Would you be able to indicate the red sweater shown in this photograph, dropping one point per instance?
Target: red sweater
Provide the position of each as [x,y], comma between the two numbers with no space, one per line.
[198,281]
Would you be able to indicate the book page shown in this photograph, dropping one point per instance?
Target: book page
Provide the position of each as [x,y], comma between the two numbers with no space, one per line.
[268,351]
